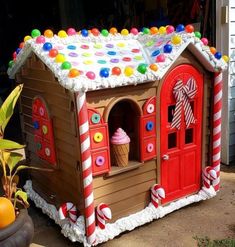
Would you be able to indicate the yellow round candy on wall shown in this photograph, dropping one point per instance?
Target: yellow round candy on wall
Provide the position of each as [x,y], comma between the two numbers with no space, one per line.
[60,58]
[124,32]
[176,40]
[162,30]
[128,71]
[225,58]
[62,34]
[27,38]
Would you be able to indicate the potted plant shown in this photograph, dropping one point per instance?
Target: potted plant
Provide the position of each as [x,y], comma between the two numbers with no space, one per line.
[16,226]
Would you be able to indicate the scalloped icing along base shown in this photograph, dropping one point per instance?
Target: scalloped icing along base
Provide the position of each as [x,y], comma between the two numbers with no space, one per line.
[76,232]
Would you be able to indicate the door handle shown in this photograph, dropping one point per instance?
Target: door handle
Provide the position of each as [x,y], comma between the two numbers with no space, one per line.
[165,157]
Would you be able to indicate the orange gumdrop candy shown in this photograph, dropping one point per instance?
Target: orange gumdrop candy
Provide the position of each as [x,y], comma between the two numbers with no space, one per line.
[7,212]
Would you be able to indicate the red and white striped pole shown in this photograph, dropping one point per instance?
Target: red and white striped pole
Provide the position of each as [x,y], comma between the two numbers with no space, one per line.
[86,166]
[217,110]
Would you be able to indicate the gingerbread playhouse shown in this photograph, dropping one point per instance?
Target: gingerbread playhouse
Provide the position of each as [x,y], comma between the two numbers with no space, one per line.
[129,122]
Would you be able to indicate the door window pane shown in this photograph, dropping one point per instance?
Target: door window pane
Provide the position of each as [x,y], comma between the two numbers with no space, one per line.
[171,110]
[188,136]
[172,140]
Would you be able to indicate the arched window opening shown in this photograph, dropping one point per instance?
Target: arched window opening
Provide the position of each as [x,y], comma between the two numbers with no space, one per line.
[125,114]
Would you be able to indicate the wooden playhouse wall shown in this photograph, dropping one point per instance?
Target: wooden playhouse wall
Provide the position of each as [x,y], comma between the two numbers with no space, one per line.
[63,184]
[126,192]
[129,192]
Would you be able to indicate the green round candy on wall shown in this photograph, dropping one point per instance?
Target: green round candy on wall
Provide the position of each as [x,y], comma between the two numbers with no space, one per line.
[146,30]
[10,64]
[35,33]
[198,34]
[142,68]
[39,146]
[66,65]
[105,32]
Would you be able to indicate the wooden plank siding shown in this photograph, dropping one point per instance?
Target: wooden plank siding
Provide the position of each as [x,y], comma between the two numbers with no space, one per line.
[63,184]
[129,191]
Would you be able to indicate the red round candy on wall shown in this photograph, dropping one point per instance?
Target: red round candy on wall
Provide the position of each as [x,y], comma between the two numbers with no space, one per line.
[189,28]
[116,71]
[53,52]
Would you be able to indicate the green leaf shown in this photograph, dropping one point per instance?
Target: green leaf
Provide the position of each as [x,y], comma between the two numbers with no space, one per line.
[22,195]
[13,160]
[22,167]
[7,108]
[9,145]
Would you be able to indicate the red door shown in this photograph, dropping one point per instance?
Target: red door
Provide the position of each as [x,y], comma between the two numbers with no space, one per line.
[181,141]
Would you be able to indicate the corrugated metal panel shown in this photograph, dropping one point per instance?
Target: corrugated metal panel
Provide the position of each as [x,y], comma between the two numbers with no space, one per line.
[232,105]
[232,127]
[232,117]
[232,92]
[232,139]
[231,153]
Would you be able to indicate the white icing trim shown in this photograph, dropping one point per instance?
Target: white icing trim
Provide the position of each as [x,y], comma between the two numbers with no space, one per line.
[82,83]
[76,232]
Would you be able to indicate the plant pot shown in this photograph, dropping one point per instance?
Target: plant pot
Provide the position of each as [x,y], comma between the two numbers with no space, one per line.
[19,233]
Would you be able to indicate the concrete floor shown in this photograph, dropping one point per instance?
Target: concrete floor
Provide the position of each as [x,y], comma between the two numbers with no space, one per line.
[214,218]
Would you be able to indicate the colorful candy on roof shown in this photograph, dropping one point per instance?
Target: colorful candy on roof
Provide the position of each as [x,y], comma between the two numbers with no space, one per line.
[92,59]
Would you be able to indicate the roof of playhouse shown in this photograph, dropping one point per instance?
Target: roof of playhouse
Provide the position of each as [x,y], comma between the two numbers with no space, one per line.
[92,60]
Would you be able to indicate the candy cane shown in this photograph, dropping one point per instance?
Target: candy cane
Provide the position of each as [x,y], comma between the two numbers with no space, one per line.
[217,108]
[86,167]
[208,175]
[157,193]
[69,210]
[103,213]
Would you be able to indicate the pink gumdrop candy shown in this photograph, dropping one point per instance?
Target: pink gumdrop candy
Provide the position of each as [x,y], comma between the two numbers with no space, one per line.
[170,29]
[160,58]
[204,41]
[120,137]
[71,31]
[40,39]
[134,31]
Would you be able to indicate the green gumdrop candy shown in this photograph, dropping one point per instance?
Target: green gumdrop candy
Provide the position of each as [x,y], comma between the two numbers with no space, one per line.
[105,32]
[146,30]
[66,65]
[35,33]
[198,34]
[10,64]
[142,68]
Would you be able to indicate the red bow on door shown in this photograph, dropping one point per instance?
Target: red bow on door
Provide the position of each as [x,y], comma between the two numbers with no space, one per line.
[183,93]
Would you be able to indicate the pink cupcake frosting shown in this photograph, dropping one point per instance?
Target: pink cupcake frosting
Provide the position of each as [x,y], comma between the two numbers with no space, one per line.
[120,137]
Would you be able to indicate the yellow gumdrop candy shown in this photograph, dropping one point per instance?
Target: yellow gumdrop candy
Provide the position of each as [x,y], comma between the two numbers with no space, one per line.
[27,38]
[128,71]
[62,34]
[7,212]
[176,39]
[124,32]
[162,30]
[225,58]
[60,58]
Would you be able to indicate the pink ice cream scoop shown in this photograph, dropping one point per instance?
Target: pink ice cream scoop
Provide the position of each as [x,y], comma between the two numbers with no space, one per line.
[120,137]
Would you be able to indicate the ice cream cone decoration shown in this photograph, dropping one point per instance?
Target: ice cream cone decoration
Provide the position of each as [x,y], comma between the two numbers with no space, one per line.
[120,147]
